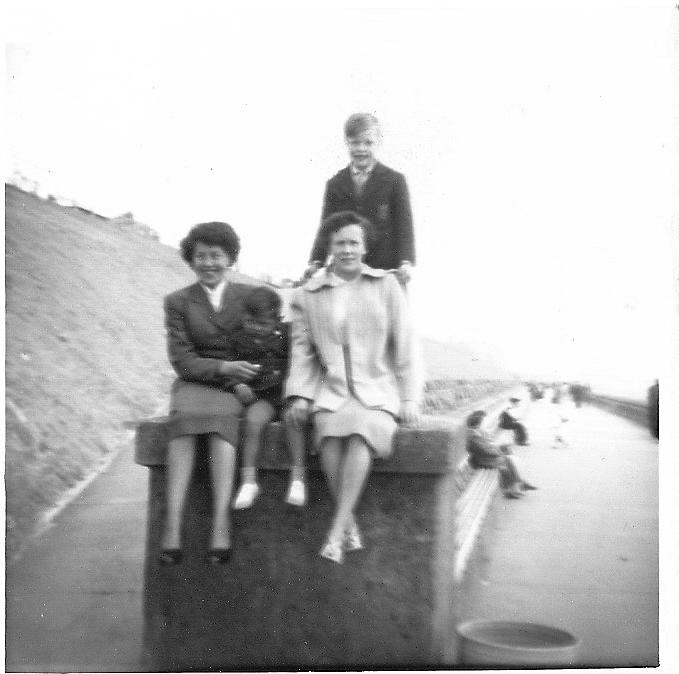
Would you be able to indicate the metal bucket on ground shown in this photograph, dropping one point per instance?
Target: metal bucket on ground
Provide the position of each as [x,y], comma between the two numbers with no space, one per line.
[485,642]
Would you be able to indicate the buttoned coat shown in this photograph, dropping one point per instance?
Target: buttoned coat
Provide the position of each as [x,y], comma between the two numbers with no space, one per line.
[375,357]
[384,200]
[198,337]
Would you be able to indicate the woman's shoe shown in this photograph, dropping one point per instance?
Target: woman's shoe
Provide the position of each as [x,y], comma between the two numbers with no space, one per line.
[296,493]
[332,550]
[246,496]
[170,557]
[352,539]
[513,493]
[528,487]
[218,556]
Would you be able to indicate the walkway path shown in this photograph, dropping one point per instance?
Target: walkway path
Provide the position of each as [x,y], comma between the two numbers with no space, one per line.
[74,599]
[582,552]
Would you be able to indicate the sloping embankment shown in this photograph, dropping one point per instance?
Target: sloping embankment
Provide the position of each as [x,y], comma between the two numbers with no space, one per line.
[85,347]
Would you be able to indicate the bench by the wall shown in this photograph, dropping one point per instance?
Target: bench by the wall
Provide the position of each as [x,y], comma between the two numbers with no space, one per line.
[277,604]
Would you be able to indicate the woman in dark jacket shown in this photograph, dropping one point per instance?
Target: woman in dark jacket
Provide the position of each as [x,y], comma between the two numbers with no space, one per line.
[484,453]
[200,319]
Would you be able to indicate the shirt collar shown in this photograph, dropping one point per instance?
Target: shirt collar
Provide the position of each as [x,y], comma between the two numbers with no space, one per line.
[329,279]
[355,171]
[215,294]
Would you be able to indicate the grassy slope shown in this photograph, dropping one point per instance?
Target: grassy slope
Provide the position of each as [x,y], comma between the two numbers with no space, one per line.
[86,347]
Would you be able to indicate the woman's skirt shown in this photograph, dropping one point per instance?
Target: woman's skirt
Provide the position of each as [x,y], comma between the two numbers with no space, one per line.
[197,408]
[376,427]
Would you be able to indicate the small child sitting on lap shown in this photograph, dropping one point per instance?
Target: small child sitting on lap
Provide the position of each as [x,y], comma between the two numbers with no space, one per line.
[262,339]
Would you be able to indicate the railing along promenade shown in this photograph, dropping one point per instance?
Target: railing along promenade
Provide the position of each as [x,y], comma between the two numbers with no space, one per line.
[633,410]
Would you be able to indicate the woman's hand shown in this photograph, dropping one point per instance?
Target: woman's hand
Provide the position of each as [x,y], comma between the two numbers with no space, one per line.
[404,272]
[408,414]
[297,412]
[238,370]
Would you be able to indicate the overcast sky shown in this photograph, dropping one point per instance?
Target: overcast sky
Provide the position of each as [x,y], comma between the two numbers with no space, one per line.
[537,140]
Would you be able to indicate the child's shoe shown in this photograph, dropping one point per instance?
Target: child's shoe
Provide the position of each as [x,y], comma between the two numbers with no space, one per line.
[246,496]
[352,539]
[296,493]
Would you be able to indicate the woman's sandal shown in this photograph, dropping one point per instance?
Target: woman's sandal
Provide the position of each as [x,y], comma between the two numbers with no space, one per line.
[332,550]
[170,557]
[352,539]
[218,556]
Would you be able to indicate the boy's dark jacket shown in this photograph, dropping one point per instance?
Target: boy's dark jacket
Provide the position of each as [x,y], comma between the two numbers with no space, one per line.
[386,203]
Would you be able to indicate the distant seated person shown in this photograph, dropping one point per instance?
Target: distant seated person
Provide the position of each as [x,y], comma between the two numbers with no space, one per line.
[484,453]
[262,339]
[509,421]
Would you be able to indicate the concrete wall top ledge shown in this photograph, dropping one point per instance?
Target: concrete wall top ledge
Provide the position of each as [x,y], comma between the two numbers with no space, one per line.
[425,449]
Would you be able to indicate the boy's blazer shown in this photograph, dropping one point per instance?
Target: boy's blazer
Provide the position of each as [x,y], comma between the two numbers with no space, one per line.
[198,337]
[384,201]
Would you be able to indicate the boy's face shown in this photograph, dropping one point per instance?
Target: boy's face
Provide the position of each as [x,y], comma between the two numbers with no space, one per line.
[363,148]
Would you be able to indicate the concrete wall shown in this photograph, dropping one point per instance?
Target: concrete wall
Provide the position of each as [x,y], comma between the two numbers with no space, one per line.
[277,604]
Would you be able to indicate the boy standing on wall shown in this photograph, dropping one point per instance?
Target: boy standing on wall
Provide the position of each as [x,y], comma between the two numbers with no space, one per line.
[376,192]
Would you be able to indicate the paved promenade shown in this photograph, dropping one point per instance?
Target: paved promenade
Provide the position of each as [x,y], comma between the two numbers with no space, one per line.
[74,599]
[581,553]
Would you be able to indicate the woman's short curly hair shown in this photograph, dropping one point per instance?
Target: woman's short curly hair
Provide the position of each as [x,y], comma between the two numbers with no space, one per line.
[475,418]
[333,223]
[211,234]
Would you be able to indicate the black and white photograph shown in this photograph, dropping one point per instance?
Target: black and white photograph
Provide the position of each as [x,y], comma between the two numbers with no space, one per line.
[335,335]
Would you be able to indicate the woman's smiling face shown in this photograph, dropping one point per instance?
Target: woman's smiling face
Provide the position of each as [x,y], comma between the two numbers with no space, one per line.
[210,263]
[347,246]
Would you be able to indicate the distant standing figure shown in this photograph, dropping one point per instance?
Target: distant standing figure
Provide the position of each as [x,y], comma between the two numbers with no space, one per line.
[374,191]
[654,409]
[556,394]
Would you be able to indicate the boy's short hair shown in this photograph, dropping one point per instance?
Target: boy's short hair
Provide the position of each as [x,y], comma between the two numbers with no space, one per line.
[333,223]
[359,122]
[262,300]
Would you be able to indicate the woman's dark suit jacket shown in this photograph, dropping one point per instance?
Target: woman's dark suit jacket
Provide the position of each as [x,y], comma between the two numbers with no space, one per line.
[198,337]
[385,202]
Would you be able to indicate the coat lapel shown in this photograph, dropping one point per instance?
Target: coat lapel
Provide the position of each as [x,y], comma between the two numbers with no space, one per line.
[229,312]
[345,184]
[197,295]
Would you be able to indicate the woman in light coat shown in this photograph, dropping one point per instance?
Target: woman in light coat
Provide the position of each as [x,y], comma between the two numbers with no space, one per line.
[352,369]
